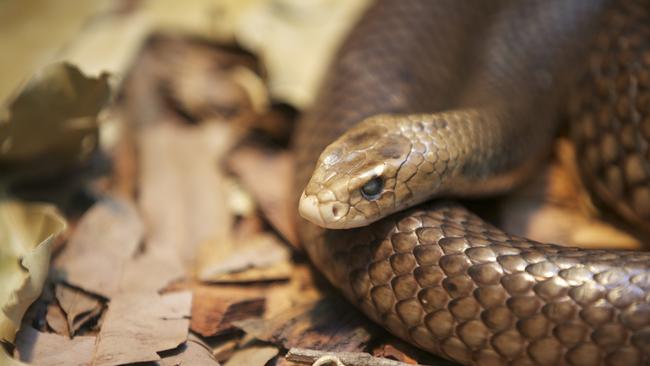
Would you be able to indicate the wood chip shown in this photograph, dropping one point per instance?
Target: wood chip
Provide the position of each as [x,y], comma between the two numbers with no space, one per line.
[49,349]
[105,239]
[329,324]
[268,174]
[138,325]
[321,358]
[252,356]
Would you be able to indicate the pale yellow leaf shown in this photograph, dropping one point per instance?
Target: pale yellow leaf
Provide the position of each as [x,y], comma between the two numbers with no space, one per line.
[26,235]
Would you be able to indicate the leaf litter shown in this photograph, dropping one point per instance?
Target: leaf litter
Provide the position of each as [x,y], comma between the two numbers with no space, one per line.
[184,250]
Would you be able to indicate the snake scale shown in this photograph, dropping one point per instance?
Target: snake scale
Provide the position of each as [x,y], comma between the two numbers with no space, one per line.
[430,99]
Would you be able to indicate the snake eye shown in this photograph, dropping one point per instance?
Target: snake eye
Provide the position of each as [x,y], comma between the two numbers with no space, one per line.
[372,188]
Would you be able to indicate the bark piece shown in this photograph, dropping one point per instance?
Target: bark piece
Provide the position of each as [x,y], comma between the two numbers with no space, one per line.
[322,324]
[252,356]
[215,309]
[139,324]
[309,357]
[49,349]
[268,174]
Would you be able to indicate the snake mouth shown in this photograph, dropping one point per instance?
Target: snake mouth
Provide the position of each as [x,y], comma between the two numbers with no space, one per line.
[329,215]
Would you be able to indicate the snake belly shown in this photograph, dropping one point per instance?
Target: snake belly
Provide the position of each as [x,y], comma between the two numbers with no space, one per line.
[437,275]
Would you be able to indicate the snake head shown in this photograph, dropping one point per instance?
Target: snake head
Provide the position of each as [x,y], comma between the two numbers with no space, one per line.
[357,177]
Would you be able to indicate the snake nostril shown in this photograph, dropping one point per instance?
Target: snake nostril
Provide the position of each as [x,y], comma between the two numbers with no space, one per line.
[335,211]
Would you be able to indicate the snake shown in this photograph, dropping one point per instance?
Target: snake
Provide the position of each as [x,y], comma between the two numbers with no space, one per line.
[430,102]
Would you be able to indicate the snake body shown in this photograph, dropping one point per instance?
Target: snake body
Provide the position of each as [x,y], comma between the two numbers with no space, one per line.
[462,98]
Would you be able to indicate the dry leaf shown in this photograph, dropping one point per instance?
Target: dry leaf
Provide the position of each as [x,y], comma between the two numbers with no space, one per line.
[7,360]
[78,306]
[105,240]
[51,125]
[48,349]
[57,320]
[268,176]
[27,232]
[139,324]
[192,352]
[283,33]
[252,356]
[322,325]
[181,190]
[246,255]
[32,32]
[214,309]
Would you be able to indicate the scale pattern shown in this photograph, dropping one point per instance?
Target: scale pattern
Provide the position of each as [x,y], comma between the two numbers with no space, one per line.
[438,276]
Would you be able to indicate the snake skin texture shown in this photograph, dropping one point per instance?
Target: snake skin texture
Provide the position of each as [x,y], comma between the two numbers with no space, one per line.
[440,277]
[612,130]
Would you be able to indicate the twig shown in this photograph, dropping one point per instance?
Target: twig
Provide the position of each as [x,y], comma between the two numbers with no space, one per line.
[323,358]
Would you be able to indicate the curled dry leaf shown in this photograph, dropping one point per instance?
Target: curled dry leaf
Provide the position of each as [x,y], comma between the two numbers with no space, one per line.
[283,33]
[51,125]
[31,32]
[57,321]
[79,307]
[26,235]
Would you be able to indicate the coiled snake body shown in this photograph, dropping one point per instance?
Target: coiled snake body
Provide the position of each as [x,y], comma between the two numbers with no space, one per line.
[462,98]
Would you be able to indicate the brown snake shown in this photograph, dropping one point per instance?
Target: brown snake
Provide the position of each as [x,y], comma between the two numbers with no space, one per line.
[463,98]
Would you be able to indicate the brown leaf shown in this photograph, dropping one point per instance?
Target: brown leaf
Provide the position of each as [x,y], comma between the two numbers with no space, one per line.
[57,320]
[269,177]
[139,324]
[181,190]
[246,255]
[192,352]
[329,324]
[78,306]
[105,239]
[214,309]
[49,349]
[252,356]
